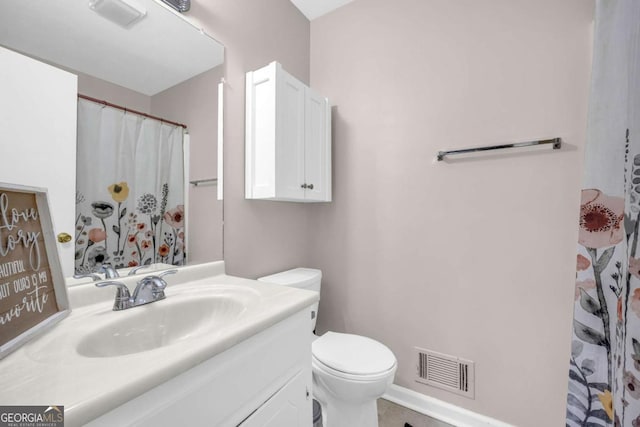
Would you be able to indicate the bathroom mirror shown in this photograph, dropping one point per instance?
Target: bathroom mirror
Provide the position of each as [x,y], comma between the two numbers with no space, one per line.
[162,65]
[152,54]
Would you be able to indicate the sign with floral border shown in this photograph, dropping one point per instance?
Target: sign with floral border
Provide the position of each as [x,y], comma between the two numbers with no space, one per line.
[33,294]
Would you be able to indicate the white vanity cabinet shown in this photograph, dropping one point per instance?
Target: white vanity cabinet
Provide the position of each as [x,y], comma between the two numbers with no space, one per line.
[264,381]
[288,139]
[288,407]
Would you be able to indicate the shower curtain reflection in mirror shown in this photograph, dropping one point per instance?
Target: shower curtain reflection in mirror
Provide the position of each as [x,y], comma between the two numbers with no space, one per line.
[130,190]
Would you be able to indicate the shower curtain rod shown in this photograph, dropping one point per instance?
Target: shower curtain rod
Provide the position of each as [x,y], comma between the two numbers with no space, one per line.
[125,109]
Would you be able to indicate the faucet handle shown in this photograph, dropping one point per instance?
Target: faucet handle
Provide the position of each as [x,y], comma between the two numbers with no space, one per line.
[136,269]
[123,296]
[151,288]
[166,273]
[93,276]
[158,282]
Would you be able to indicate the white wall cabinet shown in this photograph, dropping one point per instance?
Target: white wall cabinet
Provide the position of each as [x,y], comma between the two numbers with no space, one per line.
[288,139]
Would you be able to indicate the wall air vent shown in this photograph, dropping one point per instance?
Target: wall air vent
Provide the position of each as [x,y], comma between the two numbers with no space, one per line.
[446,372]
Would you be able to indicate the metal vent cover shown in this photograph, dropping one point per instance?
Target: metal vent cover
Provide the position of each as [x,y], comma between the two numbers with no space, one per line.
[179,5]
[122,12]
[446,372]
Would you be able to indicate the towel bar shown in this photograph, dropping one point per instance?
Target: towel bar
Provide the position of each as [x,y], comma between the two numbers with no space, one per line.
[556,143]
[198,182]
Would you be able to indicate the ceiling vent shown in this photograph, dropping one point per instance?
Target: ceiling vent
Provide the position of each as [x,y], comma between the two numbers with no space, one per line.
[446,372]
[122,12]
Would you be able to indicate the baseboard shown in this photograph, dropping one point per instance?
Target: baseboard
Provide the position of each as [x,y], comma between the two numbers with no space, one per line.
[439,409]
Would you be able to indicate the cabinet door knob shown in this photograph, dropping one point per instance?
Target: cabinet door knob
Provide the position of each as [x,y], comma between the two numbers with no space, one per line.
[310,186]
[303,186]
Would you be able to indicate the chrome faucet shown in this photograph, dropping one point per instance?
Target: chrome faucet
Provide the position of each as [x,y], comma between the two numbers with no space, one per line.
[123,297]
[149,289]
[109,271]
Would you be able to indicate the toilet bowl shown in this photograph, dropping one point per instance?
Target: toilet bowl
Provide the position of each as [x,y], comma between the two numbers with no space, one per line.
[350,372]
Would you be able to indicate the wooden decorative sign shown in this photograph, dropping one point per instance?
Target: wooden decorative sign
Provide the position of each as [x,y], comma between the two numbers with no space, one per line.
[33,294]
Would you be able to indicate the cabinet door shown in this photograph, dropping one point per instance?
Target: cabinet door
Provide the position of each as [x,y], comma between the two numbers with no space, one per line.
[260,179]
[289,407]
[288,141]
[317,147]
[290,134]
[38,115]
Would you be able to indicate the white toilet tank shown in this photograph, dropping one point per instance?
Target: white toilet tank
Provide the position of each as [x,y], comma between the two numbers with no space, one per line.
[302,278]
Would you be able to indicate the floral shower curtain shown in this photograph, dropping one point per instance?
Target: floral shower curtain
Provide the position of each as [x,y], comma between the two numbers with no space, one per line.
[604,374]
[130,190]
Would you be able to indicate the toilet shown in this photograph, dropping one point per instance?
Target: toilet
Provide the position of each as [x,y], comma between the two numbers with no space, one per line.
[350,372]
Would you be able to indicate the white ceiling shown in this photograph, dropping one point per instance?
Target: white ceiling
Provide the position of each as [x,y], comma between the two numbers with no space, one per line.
[313,9]
[160,51]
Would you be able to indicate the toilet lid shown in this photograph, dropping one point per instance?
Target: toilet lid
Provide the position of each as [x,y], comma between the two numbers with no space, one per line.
[353,354]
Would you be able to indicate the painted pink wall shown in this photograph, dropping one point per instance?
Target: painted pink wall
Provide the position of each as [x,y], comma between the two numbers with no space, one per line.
[259,237]
[195,102]
[471,258]
[103,90]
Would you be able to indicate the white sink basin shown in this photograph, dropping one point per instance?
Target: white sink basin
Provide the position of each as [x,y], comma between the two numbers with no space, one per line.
[188,312]
[98,359]
[162,323]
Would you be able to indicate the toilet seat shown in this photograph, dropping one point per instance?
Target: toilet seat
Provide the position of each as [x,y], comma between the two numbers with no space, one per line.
[352,356]
[320,367]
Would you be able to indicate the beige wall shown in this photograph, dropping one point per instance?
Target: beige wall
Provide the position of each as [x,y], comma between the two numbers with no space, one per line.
[103,90]
[195,102]
[471,258]
[259,237]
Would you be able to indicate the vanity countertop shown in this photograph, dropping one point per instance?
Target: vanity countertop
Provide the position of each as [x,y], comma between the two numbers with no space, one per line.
[53,369]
